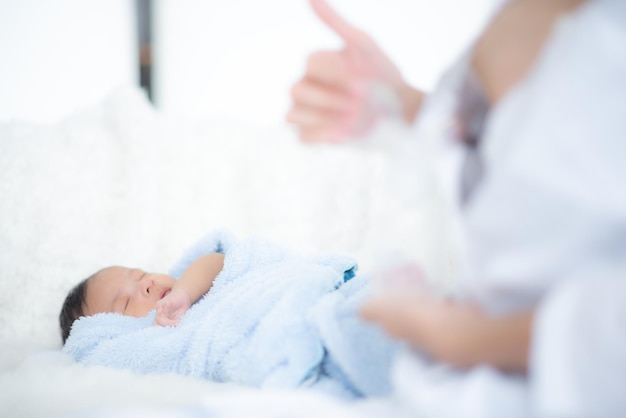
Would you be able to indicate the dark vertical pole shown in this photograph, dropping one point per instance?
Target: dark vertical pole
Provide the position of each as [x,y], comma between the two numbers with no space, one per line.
[144,25]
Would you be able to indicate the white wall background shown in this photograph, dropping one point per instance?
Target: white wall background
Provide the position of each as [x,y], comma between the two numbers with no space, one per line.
[57,56]
[234,59]
[237,59]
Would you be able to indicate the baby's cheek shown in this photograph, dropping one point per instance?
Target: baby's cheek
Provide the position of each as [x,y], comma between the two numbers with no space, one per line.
[140,309]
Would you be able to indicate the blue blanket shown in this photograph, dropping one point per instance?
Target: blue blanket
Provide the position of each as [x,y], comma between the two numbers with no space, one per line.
[271,319]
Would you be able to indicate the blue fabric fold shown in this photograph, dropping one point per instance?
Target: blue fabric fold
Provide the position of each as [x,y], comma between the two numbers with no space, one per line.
[271,319]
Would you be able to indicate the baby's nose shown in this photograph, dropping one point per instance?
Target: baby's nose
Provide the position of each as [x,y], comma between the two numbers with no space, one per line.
[147,286]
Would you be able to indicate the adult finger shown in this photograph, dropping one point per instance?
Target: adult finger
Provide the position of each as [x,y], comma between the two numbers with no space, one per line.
[330,68]
[309,93]
[311,117]
[321,134]
[377,308]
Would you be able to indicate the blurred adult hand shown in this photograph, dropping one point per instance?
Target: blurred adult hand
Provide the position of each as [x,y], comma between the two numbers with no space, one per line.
[456,333]
[344,93]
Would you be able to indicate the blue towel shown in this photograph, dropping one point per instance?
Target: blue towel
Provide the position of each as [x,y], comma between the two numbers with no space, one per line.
[271,319]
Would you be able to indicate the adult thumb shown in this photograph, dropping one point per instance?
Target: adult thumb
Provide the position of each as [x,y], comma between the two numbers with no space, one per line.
[350,35]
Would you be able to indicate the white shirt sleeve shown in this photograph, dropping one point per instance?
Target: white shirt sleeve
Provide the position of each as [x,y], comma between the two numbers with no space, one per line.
[578,356]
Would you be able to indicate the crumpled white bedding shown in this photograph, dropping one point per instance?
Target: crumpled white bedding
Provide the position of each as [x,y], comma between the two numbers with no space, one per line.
[120,183]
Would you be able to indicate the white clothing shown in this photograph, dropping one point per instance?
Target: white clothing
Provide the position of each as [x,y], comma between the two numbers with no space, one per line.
[545,229]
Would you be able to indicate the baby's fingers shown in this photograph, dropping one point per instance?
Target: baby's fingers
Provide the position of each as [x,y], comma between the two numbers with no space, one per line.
[165,315]
[165,320]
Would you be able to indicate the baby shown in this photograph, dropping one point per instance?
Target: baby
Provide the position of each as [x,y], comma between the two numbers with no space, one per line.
[134,292]
[262,316]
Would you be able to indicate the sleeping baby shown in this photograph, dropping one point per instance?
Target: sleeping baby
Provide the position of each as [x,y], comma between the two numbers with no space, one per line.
[242,311]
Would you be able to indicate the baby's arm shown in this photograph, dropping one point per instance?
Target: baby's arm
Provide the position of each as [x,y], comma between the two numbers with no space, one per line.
[195,281]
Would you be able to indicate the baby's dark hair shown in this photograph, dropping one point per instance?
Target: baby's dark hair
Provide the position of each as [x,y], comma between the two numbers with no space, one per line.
[73,307]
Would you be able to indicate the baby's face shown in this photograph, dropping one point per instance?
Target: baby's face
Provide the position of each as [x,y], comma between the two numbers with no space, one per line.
[131,292]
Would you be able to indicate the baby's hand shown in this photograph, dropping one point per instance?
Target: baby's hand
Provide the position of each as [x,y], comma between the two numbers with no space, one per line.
[172,307]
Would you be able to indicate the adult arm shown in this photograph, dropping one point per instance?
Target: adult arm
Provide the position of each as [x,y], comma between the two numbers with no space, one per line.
[195,281]
[343,93]
[452,332]
[455,333]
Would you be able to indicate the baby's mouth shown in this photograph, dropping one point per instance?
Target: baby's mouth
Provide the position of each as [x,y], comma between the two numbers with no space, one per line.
[165,293]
